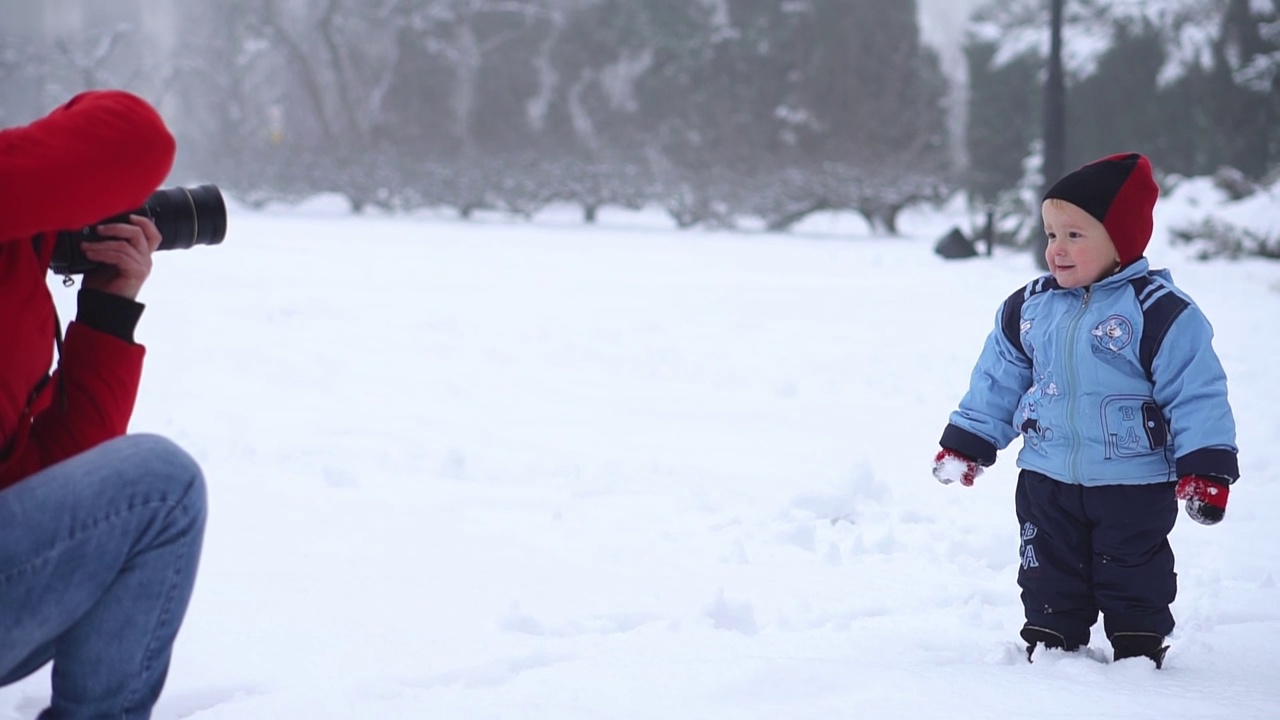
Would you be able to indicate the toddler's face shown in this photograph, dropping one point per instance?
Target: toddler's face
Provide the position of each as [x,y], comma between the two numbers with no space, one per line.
[1080,250]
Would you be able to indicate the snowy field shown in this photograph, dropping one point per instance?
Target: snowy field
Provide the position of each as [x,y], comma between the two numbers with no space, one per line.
[545,470]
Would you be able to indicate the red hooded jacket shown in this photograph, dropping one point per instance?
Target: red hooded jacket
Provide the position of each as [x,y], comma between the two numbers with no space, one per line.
[102,153]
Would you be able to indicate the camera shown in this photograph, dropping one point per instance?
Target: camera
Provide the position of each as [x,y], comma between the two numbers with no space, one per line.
[185,217]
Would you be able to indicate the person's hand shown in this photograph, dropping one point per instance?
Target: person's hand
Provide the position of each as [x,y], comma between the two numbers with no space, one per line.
[126,262]
[1206,498]
[950,466]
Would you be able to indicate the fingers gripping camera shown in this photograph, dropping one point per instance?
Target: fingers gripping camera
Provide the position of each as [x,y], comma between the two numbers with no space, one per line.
[185,217]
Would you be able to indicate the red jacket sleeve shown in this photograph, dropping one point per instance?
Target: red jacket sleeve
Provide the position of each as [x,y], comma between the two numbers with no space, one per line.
[89,400]
[100,154]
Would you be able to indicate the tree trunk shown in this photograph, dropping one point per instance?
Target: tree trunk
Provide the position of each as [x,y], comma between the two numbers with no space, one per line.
[340,79]
[298,56]
[1055,122]
[890,219]
[787,221]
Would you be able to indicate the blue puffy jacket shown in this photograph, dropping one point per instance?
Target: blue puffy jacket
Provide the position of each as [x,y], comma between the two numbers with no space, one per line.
[1113,384]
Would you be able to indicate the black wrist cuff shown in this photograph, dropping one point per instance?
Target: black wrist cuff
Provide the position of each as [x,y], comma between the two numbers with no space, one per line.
[1217,463]
[957,439]
[111,314]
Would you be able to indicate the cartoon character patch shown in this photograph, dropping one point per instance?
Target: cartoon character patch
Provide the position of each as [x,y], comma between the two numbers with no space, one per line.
[1044,391]
[1032,431]
[1114,334]
[1044,388]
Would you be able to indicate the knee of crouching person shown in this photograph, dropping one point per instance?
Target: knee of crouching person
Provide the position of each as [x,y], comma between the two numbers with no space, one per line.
[170,468]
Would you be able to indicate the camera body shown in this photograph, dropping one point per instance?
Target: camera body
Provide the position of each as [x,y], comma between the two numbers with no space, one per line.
[185,217]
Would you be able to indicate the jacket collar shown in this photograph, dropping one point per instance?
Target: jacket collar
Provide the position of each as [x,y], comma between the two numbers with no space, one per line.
[1135,269]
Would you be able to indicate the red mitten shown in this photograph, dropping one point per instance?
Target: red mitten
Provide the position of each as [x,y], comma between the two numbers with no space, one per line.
[950,466]
[1206,498]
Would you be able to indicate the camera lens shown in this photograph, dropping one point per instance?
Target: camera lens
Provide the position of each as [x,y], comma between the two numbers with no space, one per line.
[187,217]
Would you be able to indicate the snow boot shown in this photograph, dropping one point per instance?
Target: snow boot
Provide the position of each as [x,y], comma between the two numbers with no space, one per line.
[1139,644]
[1047,639]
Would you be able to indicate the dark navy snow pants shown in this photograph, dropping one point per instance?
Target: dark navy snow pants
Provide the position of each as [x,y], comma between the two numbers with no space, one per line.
[1090,549]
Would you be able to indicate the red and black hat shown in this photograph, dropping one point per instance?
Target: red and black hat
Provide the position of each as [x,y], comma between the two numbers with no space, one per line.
[1120,192]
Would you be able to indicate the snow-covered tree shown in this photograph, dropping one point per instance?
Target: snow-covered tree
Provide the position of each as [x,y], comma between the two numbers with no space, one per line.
[1184,80]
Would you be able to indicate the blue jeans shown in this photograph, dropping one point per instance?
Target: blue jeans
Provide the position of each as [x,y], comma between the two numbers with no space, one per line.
[98,555]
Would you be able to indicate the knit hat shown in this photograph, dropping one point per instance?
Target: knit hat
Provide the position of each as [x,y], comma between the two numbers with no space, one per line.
[1120,192]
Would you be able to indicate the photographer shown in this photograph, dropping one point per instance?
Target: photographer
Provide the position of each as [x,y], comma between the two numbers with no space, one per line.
[100,532]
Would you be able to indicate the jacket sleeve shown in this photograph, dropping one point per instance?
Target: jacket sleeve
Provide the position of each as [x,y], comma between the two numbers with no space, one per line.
[89,400]
[1191,388]
[100,154]
[983,424]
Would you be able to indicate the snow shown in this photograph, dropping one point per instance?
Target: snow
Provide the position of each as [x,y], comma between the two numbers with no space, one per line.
[1198,198]
[548,470]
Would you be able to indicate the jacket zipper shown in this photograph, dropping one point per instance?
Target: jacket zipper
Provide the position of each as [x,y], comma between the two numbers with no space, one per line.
[1073,463]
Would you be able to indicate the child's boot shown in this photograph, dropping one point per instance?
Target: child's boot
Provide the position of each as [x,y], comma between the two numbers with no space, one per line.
[1139,644]
[1045,638]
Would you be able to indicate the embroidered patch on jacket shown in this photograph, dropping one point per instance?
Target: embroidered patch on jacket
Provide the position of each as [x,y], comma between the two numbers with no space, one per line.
[1133,425]
[1043,392]
[1114,334]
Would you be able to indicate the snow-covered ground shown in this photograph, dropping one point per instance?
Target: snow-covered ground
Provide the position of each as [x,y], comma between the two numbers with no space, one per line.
[494,470]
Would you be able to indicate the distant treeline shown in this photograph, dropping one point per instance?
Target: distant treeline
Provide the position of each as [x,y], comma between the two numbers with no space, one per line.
[711,109]
[716,110]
